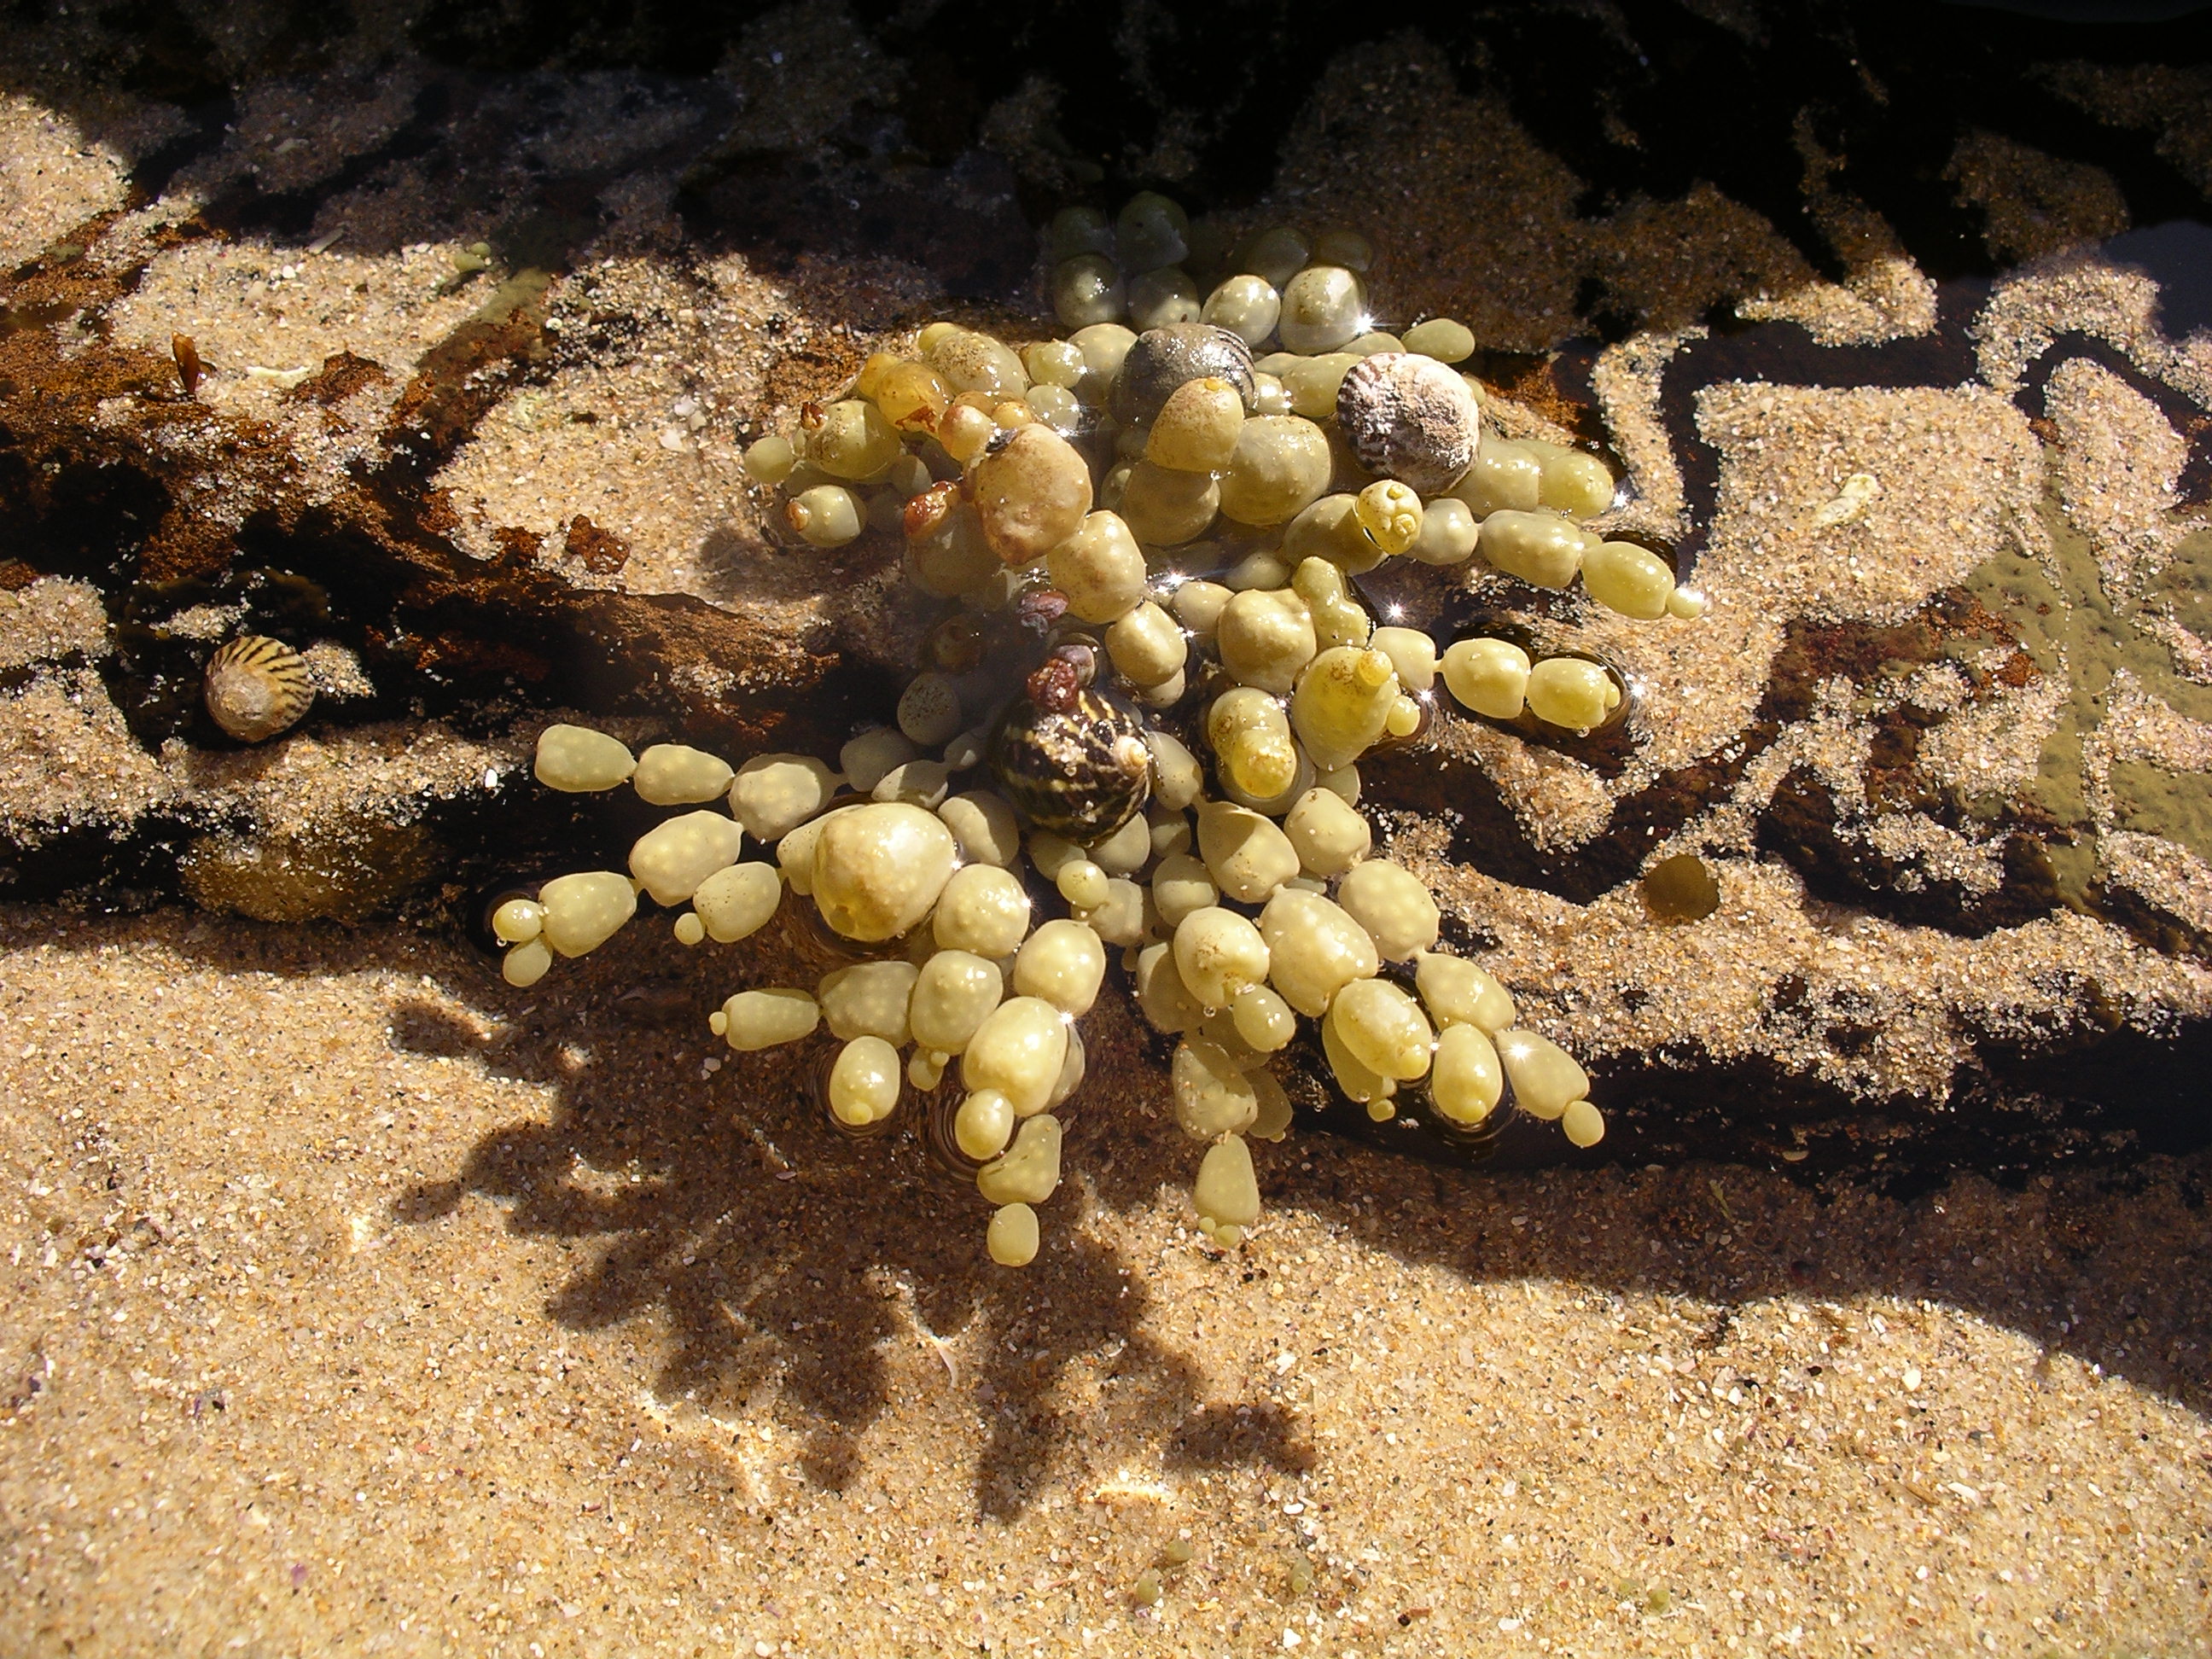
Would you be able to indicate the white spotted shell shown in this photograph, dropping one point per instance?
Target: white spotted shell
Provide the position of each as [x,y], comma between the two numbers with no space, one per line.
[1411,418]
[257,687]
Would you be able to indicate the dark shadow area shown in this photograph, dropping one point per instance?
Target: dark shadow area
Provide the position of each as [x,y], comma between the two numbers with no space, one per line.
[2086,1262]
[866,196]
[1665,99]
[2088,1091]
[2174,255]
[1666,96]
[783,1255]
[1888,89]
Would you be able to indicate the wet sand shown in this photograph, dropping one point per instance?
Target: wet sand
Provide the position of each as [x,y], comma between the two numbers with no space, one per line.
[355,1303]
[351,1302]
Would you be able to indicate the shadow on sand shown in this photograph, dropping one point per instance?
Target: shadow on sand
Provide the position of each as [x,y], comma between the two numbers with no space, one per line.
[784,1258]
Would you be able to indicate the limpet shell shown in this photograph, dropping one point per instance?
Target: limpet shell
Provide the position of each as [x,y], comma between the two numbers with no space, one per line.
[257,687]
[1409,417]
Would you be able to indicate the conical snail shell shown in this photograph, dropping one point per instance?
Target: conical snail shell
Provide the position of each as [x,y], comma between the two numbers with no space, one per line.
[1081,772]
[257,687]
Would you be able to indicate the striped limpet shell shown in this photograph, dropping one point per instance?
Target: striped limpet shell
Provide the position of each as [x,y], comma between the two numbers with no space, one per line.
[257,687]
[1411,418]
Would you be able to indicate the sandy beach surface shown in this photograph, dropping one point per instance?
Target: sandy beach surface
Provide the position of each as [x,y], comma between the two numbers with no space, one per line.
[353,1303]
